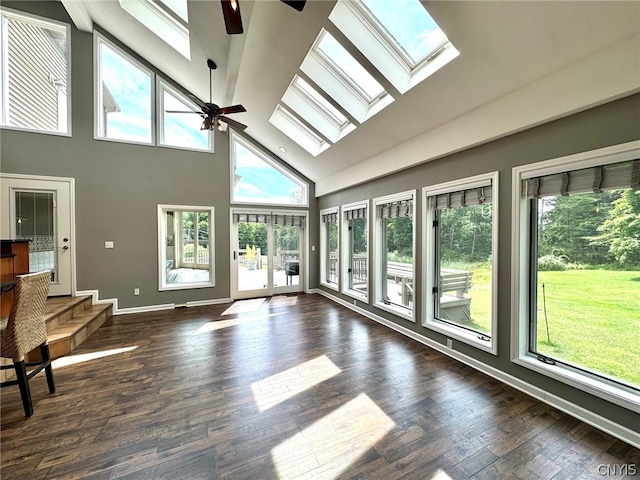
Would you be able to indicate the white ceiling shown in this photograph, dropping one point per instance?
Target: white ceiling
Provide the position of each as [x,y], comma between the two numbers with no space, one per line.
[521,63]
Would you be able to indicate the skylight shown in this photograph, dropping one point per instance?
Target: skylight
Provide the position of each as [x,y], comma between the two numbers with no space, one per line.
[416,38]
[348,67]
[316,110]
[399,38]
[339,74]
[168,19]
[297,131]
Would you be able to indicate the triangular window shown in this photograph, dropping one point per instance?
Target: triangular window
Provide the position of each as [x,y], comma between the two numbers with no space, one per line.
[258,179]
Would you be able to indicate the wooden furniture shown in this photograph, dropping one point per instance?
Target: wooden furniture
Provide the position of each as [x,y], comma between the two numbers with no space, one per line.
[25,331]
[14,261]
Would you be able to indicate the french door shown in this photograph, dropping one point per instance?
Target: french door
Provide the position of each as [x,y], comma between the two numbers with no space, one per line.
[268,253]
[41,210]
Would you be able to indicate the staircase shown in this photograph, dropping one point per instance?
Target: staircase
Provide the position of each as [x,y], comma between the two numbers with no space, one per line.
[70,320]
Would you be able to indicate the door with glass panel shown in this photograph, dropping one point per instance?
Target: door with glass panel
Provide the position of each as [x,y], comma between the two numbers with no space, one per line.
[40,211]
[268,254]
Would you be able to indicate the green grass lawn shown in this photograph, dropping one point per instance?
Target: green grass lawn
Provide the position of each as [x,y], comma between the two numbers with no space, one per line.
[594,320]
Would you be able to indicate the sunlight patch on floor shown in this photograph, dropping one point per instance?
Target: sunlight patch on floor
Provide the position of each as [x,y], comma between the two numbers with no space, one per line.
[86,357]
[282,386]
[232,322]
[244,306]
[330,445]
[282,301]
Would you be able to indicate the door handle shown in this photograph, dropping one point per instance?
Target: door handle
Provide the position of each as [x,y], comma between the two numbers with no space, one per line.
[234,255]
[65,247]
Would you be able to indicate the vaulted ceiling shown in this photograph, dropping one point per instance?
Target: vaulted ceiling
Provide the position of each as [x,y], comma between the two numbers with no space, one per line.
[520,64]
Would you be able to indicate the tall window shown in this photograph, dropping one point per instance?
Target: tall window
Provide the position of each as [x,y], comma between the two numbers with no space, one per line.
[124,102]
[185,241]
[394,246]
[329,247]
[355,257]
[580,265]
[257,179]
[36,69]
[461,230]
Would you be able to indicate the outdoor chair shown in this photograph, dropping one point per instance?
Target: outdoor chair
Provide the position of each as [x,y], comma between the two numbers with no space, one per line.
[25,330]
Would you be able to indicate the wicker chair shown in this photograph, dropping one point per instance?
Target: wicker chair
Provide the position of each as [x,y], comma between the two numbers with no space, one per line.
[25,330]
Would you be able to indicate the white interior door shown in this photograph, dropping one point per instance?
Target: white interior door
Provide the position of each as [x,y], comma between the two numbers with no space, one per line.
[268,256]
[40,210]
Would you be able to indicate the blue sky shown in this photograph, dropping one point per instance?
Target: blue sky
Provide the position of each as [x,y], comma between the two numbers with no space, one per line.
[260,182]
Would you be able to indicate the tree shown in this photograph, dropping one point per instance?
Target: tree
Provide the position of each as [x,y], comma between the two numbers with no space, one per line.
[620,232]
[568,224]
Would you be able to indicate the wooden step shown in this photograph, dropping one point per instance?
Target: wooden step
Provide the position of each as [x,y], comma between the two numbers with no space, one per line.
[60,310]
[70,320]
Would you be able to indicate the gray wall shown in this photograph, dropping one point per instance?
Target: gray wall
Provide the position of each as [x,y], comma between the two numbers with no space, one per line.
[118,188]
[610,124]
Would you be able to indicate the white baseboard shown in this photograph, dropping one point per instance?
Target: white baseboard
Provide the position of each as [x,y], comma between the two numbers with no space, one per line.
[146,308]
[587,416]
[214,301]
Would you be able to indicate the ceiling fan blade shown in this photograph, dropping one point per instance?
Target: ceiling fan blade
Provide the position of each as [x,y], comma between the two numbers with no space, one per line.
[232,18]
[297,4]
[232,109]
[181,111]
[233,123]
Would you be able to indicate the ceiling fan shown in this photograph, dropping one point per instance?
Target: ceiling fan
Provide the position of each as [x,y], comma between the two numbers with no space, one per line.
[231,13]
[211,113]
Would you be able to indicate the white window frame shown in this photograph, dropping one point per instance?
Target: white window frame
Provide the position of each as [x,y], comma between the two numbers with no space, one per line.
[379,276]
[292,127]
[97,89]
[329,77]
[382,51]
[163,21]
[4,77]
[162,86]
[520,279]
[345,253]
[315,113]
[324,249]
[162,249]
[234,137]
[428,248]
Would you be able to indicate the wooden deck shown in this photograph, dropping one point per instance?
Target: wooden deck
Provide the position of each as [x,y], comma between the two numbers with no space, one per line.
[289,387]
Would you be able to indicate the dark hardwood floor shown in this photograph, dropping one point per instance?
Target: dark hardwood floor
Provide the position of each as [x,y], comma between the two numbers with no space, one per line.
[288,387]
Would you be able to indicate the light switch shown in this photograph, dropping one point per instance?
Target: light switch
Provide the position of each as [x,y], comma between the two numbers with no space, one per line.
[108,244]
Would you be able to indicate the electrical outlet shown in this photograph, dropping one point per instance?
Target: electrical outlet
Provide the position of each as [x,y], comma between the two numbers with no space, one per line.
[136,291]
[449,343]
[313,248]
[108,244]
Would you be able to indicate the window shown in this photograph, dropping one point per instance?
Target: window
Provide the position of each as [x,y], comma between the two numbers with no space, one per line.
[394,259]
[168,19]
[180,130]
[124,100]
[36,68]
[316,110]
[339,74]
[329,247]
[461,248]
[577,265]
[185,243]
[297,131]
[399,38]
[355,257]
[257,179]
